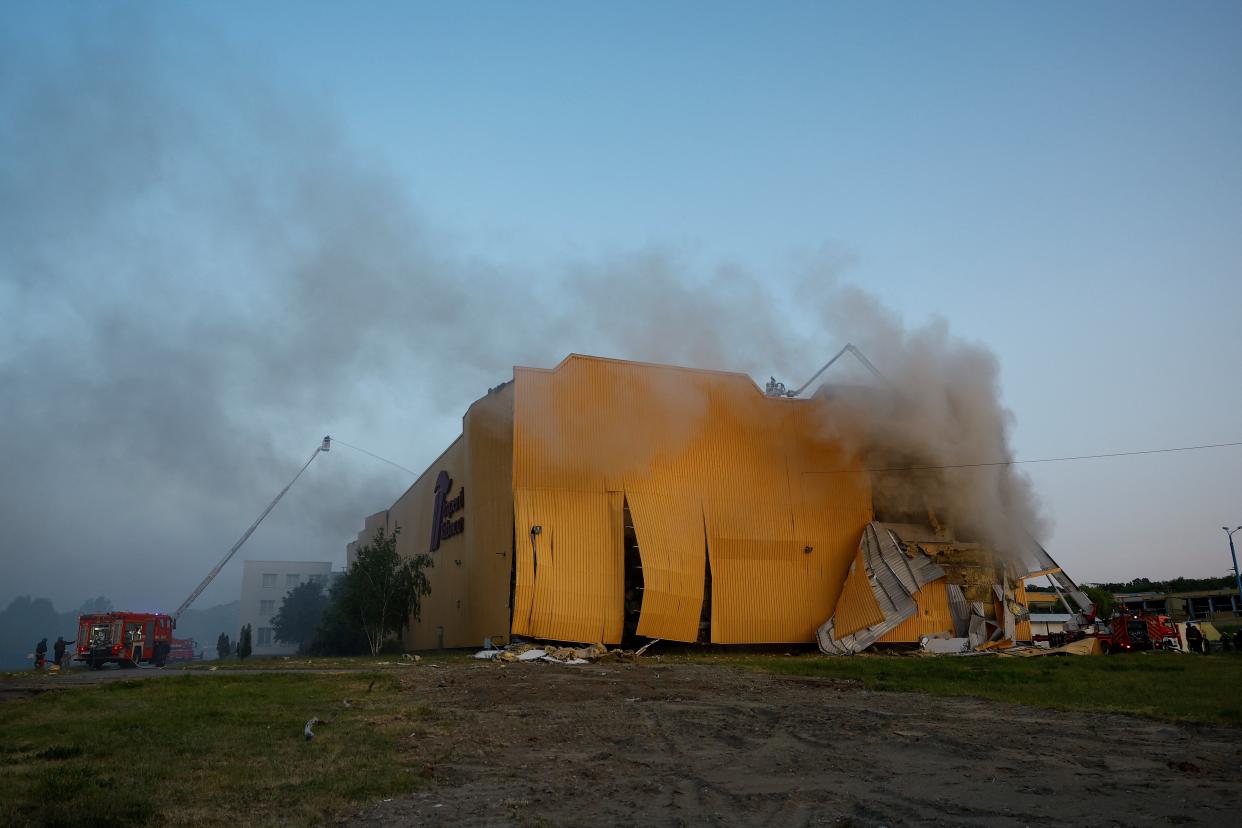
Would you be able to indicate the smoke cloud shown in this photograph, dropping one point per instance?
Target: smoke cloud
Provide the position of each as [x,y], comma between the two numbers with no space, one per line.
[939,404]
[194,289]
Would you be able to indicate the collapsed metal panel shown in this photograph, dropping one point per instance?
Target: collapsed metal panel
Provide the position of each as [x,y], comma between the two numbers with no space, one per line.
[671,545]
[894,578]
[857,607]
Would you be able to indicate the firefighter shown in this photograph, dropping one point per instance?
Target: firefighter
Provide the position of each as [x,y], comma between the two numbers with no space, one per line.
[1194,638]
[58,650]
[40,654]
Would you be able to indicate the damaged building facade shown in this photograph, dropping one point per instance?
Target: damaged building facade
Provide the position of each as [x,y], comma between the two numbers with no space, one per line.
[604,500]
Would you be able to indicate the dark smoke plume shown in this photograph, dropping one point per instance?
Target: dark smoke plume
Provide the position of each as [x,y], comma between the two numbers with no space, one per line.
[195,287]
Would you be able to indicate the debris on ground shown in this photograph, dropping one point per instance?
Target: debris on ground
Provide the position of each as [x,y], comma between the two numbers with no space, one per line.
[527,651]
[942,644]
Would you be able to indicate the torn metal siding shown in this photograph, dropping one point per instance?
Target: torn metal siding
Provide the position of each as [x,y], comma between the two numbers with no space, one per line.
[857,607]
[671,544]
[932,615]
[959,610]
[598,425]
[1023,631]
[524,562]
[895,578]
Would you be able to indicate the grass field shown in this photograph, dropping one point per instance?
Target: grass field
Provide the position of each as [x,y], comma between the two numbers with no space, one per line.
[380,663]
[215,748]
[1172,686]
[204,750]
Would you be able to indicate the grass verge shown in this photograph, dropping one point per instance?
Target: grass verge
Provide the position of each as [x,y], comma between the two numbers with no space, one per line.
[1170,686]
[377,663]
[204,750]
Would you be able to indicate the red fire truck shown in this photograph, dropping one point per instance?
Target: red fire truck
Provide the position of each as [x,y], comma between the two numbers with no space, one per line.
[133,638]
[1129,631]
[1125,632]
[128,638]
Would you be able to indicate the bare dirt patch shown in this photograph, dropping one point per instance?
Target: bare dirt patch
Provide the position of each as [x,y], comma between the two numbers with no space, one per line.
[682,744]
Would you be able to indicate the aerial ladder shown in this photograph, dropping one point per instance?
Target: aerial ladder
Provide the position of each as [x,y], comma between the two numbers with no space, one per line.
[324,445]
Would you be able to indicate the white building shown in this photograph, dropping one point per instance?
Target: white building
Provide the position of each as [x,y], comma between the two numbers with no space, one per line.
[1048,623]
[264,586]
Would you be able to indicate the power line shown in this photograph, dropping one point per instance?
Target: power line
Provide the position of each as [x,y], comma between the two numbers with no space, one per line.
[340,442]
[1043,459]
[989,464]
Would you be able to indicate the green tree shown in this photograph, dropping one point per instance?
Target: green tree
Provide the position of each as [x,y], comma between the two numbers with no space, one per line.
[382,590]
[1103,600]
[300,614]
[339,632]
[244,644]
[223,648]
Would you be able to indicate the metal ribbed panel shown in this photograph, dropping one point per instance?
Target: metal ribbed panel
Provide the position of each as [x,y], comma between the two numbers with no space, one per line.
[1023,632]
[669,527]
[857,607]
[895,580]
[931,615]
[576,562]
[763,469]
[959,609]
[524,561]
[488,429]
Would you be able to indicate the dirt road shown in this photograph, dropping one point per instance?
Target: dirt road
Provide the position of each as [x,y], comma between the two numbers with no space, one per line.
[652,744]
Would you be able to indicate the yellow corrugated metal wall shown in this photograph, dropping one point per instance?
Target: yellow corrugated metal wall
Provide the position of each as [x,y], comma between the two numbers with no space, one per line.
[567,578]
[932,616]
[856,607]
[702,457]
[1023,627]
[669,527]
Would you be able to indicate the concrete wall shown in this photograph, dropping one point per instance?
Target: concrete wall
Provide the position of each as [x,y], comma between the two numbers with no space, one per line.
[264,586]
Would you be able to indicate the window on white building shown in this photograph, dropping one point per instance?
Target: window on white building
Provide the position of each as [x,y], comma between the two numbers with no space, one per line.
[265,636]
[317,578]
[267,606]
[269,580]
[291,580]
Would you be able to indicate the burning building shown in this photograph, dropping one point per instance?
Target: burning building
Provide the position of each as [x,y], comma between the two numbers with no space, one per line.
[604,500]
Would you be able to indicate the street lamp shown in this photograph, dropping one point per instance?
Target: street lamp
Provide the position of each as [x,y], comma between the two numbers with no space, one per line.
[1233,553]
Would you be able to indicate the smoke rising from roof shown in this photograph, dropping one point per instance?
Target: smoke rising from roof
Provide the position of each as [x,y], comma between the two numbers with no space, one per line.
[194,290]
[941,406]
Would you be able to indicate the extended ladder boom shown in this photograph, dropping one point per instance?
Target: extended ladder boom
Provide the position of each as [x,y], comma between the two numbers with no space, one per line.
[211,576]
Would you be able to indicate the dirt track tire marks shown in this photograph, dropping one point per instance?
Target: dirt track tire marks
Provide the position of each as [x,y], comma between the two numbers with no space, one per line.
[652,744]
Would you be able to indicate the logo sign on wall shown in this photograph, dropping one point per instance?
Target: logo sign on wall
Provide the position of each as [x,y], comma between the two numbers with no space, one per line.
[447,520]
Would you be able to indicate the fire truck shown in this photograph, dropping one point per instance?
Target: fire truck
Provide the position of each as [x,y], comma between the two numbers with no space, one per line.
[1126,632]
[127,638]
[133,638]
[130,639]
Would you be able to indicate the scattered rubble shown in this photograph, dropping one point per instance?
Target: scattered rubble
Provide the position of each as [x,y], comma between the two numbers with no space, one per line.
[526,651]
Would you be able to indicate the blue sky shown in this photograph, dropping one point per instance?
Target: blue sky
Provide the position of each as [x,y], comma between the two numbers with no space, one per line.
[1059,181]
